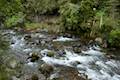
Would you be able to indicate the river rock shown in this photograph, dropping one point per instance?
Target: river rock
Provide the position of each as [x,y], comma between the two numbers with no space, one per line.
[77,49]
[105,45]
[46,69]
[67,35]
[61,52]
[34,77]
[12,63]
[33,57]
[14,78]
[99,40]
[50,53]
[27,37]
[111,56]
[66,73]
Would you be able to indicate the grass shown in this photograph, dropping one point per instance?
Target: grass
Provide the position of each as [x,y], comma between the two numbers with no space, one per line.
[51,25]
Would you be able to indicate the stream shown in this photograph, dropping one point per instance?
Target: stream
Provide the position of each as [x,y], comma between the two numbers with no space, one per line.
[91,60]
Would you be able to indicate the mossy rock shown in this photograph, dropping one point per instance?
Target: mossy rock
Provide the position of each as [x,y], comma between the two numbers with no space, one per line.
[46,69]
[77,49]
[33,57]
[51,53]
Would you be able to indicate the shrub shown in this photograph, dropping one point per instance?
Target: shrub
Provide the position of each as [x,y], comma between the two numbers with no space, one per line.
[69,16]
[77,16]
[114,38]
[14,20]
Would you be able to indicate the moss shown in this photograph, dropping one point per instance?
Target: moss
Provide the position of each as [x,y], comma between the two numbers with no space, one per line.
[50,53]
[34,57]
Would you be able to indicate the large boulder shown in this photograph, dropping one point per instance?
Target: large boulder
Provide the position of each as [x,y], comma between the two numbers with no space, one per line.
[66,73]
[99,40]
[46,69]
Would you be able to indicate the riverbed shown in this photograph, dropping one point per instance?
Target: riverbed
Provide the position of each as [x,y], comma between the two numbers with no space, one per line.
[66,51]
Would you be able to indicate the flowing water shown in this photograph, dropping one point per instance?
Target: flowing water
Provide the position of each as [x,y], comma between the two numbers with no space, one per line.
[91,62]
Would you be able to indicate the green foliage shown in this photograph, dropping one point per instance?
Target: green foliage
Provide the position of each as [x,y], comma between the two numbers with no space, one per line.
[32,25]
[3,43]
[79,16]
[3,48]
[11,7]
[70,15]
[114,38]
[40,6]
[14,20]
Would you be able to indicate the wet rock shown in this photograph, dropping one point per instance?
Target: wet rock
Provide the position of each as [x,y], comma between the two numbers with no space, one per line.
[34,77]
[12,42]
[85,48]
[54,37]
[105,45]
[58,46]
[14,78]
[51,53]
[46,69]
[27,37]
[43,42]
[111,56]
[77,45]
[67,73]
[56,79]
[75,63]
[99,40]
[67,35]
[61,52]
[33,57]
[12,63]
[77,49]
[91,42]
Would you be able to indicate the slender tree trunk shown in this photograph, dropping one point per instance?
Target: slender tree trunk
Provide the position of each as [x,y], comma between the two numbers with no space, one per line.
[101,21]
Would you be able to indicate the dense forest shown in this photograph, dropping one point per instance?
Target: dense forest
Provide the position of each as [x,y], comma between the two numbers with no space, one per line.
[92,21]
